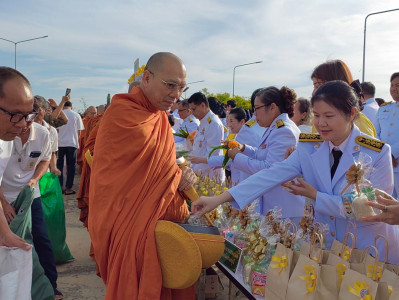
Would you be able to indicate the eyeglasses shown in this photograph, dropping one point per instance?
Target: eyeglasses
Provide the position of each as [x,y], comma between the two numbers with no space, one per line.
[17,117]
[172,86]
[256,108]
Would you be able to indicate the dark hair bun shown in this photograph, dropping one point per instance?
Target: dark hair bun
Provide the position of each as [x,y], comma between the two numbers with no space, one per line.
[289,99]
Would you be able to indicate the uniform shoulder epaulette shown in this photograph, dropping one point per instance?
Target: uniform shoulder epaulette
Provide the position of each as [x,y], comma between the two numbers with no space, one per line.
[209,120]
[385,103]
[190,119]
[310,137]
[370,143]
[250,123]
[280,123]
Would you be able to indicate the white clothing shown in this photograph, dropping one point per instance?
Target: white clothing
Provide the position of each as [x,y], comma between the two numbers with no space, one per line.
[53,136]
[311,159]
[5,154]
[190,124]
[22,165]
[210,133]
[305,128]
[68,134]
[370,109]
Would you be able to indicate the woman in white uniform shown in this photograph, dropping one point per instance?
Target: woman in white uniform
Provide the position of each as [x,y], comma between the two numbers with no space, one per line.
[335,106]
[273,108]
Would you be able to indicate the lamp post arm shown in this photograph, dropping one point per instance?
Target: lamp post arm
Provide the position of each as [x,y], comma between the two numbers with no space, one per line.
[7,40]
[364,37]
[41,37]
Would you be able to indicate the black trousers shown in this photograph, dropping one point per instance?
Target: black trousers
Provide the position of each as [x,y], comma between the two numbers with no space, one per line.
[70,153]
[42,242]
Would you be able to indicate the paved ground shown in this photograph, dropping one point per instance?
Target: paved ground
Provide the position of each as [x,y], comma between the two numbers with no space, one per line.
[78,280]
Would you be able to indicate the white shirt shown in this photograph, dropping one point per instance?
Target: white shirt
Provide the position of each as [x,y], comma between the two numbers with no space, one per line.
[370,109]
[5,154]
[190,124]
[68,134]
[22,166]
[53,136]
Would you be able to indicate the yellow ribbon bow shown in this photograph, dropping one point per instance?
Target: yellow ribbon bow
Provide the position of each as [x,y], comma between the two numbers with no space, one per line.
[281,260]
[361,290]
[374,272]
[341,269]
[346,255]
[310,278]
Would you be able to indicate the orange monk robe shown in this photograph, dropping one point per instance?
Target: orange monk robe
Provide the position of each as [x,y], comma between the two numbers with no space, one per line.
[83,193]
[133,184]
[79,152]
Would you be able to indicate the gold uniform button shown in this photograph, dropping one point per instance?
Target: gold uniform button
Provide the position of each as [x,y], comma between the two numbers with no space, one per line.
[389,134]
[331,218]
[391,124]
[332,234]
[356,148]
[394,114]
[317,146]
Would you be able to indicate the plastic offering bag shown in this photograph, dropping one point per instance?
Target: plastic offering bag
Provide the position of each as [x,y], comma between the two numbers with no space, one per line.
[54,216]
[15,273]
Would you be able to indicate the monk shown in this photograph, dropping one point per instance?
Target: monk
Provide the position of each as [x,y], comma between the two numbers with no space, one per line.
[135,182]
[90,113]
[89,142]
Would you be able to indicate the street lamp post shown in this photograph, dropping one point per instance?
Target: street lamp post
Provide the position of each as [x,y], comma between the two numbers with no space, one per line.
[234,70]
[15,46]
[185,94]
[364,41]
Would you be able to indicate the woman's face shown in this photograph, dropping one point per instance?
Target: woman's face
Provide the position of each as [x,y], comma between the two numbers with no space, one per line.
[298,117]
[234,124]
[332,124]
[316,84]
[265,114]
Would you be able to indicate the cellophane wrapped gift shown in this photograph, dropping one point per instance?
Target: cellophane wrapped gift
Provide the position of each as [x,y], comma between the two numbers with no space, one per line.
[359,189]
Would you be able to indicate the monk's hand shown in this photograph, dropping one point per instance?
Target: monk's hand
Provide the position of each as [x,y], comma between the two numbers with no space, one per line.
[206,204]
[389,214]
[187,180]
[197,159]
[11,240]
[301,187]
[289,151]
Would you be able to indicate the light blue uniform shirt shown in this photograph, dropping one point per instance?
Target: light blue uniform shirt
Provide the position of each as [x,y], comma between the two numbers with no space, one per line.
[311,159]
[190,124]
[272,148]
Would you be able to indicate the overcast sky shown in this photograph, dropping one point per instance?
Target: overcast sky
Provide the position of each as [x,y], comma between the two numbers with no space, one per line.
[92,45]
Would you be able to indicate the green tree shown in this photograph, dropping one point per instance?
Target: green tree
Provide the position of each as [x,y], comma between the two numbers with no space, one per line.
[242,102]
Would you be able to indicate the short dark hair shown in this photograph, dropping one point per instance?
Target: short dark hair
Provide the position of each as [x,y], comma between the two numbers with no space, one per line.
[216,107]
[198,98]
[338,94]
[232,103]
[184,103]
[368,88]
[379,101]
[6,74]
[394,75]
[68,104]
[284,98]
[238,113]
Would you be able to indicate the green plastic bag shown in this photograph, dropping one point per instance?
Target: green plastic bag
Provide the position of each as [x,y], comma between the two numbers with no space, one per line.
[54,216]
[21,225]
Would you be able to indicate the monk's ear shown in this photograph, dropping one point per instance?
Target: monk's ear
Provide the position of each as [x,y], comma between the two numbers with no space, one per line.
[146,77]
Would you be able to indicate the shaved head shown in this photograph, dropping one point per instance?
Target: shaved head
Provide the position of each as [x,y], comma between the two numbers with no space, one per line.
[91,112]
[157,61]
[101,109]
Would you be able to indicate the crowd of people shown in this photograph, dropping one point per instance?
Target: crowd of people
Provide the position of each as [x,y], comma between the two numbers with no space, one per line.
[289,151]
